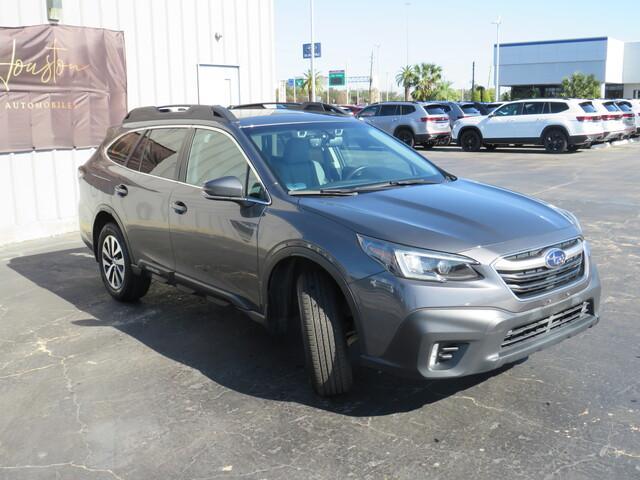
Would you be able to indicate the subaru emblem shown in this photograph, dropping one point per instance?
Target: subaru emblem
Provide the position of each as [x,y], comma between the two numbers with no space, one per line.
[555,258]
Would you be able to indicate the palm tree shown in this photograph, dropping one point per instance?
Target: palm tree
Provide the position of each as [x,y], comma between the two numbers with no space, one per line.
[428,75]
[306,85]
[406,78]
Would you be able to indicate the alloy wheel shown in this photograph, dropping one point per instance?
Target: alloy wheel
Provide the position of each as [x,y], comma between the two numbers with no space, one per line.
[113,262]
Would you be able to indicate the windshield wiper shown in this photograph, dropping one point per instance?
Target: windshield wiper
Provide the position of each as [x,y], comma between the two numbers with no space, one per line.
[394,183]
[339,192]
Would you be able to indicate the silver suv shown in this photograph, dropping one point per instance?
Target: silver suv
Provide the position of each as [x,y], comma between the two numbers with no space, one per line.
[411,122]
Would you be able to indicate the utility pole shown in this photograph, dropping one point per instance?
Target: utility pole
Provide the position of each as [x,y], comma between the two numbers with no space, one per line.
[370,75]
[473,79]
[387,86]
[313,54]
[346,84]
[497,23]
[294,90]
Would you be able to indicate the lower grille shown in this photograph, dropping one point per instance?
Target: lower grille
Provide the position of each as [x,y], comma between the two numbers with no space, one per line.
[546,325]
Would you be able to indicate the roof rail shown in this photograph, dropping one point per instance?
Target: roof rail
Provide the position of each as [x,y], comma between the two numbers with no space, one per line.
[179,112]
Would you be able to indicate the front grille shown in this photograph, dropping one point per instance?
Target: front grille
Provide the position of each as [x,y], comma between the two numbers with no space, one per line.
[546,325]
[527,275]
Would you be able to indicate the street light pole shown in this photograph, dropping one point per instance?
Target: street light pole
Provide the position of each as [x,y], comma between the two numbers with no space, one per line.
[407,4]
[497,23]
[313,54]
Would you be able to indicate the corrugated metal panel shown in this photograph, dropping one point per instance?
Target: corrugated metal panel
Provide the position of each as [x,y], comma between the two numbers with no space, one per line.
[165,41]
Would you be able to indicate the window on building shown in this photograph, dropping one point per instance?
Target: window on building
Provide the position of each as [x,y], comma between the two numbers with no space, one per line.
[120,149]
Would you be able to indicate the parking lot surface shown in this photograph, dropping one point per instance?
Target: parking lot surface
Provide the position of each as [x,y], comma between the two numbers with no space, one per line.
[175,387]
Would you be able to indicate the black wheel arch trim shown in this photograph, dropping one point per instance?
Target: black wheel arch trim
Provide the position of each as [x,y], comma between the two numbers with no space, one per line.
[554,127]
[465,129]
[305,250]
[403,127]
[103,208]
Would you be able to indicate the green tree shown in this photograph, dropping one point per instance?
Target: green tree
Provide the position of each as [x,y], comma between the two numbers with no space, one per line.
[505,97]
[444,91]
[580,85]
[406,78]
[428,78]
[306,85]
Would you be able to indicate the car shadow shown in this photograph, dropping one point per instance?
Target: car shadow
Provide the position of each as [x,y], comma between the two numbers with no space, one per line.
[526,150]
[222,343]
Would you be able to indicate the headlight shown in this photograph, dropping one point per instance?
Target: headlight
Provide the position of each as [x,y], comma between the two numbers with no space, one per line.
[419,264]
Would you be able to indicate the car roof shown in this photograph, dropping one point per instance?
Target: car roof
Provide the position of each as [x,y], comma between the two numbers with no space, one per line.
[260,117]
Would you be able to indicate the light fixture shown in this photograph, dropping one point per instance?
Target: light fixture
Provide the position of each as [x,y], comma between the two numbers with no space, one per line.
[54,10]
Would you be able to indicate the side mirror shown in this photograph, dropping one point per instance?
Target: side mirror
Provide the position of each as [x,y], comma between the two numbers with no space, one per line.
[223,188]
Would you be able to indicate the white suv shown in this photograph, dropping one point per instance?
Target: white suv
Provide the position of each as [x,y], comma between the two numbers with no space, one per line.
[559,125]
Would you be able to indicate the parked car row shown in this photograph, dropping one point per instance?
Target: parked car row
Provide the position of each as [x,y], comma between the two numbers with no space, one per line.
[558,124]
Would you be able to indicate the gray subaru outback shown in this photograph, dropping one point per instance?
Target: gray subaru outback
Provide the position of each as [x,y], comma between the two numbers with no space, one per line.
[325,222]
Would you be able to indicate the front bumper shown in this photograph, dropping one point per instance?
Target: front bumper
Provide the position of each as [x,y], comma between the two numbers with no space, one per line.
[479,333]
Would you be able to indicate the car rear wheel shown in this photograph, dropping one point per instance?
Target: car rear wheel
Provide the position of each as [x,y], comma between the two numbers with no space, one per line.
[405,135]
[555,141]
[470,141]
[573,148]
[323,335]
[115,267]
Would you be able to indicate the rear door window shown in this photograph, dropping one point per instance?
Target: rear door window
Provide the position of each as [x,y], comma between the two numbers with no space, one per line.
[532,108]
[407,109]
[470,110]
[120,150]
[136,157]
[160,157]
[588,107]
[388,110]
[557,107]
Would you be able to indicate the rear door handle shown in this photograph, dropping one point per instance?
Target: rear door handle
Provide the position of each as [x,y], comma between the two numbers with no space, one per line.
[179,207]
[121,190]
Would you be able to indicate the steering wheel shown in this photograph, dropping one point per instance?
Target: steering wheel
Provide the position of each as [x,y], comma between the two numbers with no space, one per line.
[357,172]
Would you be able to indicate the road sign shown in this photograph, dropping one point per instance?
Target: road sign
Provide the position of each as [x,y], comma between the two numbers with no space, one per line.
[306,50]
[336,78]
[290,82]
[299,82]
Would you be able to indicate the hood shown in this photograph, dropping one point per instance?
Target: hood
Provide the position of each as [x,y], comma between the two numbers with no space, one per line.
[474,120]
[451,217]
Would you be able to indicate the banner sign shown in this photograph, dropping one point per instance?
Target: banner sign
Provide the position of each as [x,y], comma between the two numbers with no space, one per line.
[60,86]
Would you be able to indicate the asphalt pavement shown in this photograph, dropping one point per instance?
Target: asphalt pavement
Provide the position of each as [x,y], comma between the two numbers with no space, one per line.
[175,387]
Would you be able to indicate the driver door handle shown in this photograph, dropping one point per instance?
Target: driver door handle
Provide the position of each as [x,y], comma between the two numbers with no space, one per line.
[121,190]
[179,207]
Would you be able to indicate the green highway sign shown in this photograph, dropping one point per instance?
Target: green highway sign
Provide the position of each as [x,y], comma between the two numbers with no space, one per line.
[299,82]
[336,78]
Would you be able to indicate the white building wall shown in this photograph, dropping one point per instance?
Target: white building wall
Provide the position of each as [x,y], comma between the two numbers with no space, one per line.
[165,41]
[631,69]
[540,63]
[615,61]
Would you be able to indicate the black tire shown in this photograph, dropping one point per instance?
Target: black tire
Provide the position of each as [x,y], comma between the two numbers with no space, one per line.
[555,141]
[490,148]
[427,146]
[114,263]
[405,135]
[323,335]
[470,141]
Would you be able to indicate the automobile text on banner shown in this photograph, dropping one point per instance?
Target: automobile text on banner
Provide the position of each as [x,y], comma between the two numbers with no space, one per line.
[60,86]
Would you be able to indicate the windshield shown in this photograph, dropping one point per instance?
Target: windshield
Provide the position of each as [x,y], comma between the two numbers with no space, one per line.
[338,155]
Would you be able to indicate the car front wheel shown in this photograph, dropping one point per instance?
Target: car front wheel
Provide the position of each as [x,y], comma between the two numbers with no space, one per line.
[470,141]
[322,334]
[405,135]
[115,267]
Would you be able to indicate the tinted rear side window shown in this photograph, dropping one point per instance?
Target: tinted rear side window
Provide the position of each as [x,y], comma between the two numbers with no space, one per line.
[470,110]
[407,109]
[434,109]
[625,107]
[388,110]
[557,107]
[532,108]
[162,149]
[369,112]
[136,157]
[121,148]
[588,107]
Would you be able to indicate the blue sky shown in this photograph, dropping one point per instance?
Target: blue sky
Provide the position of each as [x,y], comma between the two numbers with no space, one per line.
[451,34]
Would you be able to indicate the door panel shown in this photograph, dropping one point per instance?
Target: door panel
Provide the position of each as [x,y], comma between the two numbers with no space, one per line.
[501,123]
[215,241]
[218,85]
[143,198]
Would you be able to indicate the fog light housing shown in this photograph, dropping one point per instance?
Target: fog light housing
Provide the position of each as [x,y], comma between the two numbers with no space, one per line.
[446,355]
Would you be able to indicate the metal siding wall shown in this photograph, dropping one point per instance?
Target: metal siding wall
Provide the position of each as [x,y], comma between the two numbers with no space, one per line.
[165,41]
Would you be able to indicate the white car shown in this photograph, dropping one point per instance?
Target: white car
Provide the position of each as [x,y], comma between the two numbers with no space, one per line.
[613,120]
[631,109]
[558,124]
